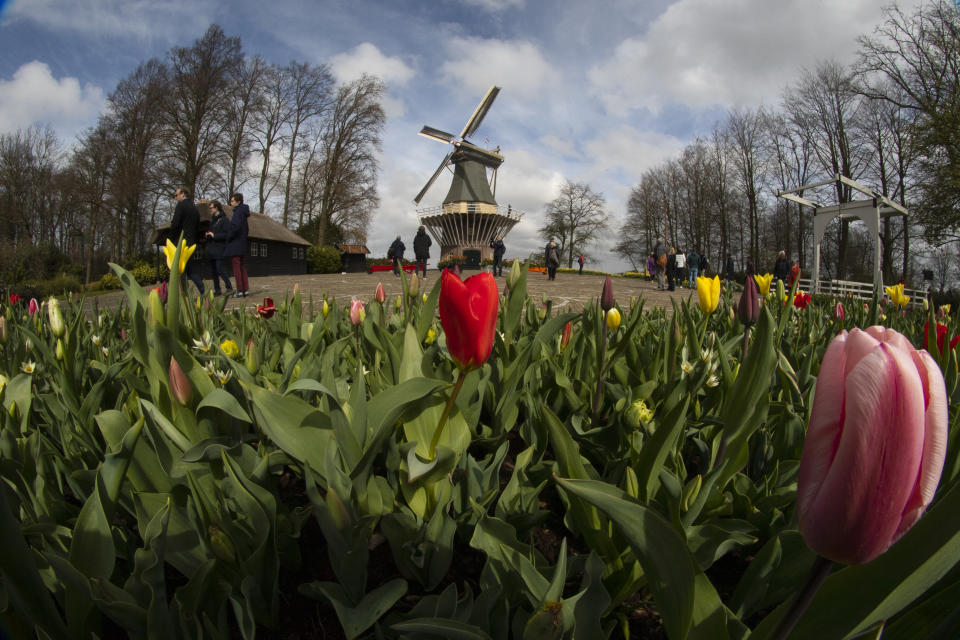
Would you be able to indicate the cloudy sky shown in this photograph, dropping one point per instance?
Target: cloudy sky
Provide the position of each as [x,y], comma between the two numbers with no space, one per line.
[593,91]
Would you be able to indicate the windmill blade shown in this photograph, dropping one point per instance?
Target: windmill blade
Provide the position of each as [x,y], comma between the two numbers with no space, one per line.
[436,134]
[433,178]
[474,122]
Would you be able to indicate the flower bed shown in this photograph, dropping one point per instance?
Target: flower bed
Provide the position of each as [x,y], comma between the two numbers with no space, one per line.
[471,464]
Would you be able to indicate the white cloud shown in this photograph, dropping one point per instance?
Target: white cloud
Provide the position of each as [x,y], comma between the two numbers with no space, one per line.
[34,96]
[722,52]
[137,18]
[495,6]
[628,152]
[367,58]
[518,66]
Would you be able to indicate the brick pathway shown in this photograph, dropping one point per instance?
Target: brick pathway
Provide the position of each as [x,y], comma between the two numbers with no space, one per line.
[569,290]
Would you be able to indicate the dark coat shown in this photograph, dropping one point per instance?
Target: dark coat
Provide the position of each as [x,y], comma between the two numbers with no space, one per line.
[186,220]
[239,230]
[671,264]
[730,267]
[396,249]
[220,227]
[551,255]
[498,249]
[421,245]
[781,269]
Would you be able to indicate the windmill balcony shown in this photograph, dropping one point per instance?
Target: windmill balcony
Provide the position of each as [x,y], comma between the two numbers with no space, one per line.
[468,228]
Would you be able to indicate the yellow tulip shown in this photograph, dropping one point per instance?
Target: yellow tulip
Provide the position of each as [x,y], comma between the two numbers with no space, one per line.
[708,290]
[896,295]
[613,319]
[230,348]
[763,283]
[170,251]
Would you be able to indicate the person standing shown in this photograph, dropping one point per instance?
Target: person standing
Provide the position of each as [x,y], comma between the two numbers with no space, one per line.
[580,261]
[693,264]
[498,250]
[652,266]
[729,270]
[421,249]
[671,268]
[552,259]
[750,271]
[660,255]
[396,252]
[186,221]
[216,243]
[781,268]
[236,247]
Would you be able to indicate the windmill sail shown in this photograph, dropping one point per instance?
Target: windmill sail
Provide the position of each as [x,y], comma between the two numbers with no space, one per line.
[481,111]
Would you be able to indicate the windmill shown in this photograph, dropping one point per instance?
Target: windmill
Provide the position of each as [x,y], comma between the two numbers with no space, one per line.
[469,218]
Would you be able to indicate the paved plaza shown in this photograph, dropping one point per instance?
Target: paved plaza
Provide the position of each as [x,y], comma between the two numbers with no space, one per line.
[569,290]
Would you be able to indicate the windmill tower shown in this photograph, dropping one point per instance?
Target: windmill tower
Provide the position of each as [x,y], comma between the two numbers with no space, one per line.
[469,218]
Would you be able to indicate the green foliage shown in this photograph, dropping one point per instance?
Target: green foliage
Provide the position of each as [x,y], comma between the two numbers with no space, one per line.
[108,282]
[145,273]
[570,489]
[324,259]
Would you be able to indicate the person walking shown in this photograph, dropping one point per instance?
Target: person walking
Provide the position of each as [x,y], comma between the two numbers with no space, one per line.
[552,259]
[671,268]
[498,250]
[396,252]
[660,256]
[421,249]
[186,221]
[216,243]
[236,247]
[580,261]
[781,268]
[693,265]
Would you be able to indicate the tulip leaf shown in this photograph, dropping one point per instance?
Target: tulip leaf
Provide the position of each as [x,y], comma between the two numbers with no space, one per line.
[356,620]
[855,598]
[420,471]
[224,401]
[441,628]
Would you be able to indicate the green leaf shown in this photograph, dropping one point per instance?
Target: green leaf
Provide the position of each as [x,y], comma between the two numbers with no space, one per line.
[356,620]
[224,401]
[442,628]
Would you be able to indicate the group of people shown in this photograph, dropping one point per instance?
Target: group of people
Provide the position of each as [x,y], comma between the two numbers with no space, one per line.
[421,251]
[225,239]
[667,265]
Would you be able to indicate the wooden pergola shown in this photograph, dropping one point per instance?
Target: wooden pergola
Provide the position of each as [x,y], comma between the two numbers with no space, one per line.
[870,211]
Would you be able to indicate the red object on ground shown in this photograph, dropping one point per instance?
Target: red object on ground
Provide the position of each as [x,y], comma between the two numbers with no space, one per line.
[409,268]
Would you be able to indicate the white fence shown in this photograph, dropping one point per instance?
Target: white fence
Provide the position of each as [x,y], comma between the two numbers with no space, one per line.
[857,289]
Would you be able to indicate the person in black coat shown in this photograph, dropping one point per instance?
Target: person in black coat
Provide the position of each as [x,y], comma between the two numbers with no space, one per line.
[781,268]
[216,243]
[498,250]
[551,258]
[186,221]
[671,269]
[421,249]
[236,247]
[729,269]
[396,252]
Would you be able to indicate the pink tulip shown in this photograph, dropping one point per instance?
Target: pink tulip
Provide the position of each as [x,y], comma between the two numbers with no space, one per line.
[875,445]
[33,307]
[356,311]
[381,295]
[838,311]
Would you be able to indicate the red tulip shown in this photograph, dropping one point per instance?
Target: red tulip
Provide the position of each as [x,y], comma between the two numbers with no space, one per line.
[33,307]
[15,298]
[468,314]
[381,295]
[801,300]
[875,445]
[565,337]
[941,336]
[266,310]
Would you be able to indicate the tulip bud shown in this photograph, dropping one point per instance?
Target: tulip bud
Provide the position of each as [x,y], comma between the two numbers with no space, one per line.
[155,314]
[606,298]
[632,485]
[28,345]
[565,338]
[296,288]
[381,295]
[749,307]
[252,357]
[3,382]
[690,492]
[875,445]
[926,305]
[514,276]
[677,336]
[306,330]
[414,286]
[3,330]
[781,290]
[55,316]
[179,384]
[60,351]
[838,311]
[424,297]
[33,307]
[399,303]
[221,544]
[357,312]
[613,319]
[326,308]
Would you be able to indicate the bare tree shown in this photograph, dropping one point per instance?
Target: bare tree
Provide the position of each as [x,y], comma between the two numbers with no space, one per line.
[202,78]
[746,133]
[244,103]
[310,88]
[576,218]
[268,126]
[29,161]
